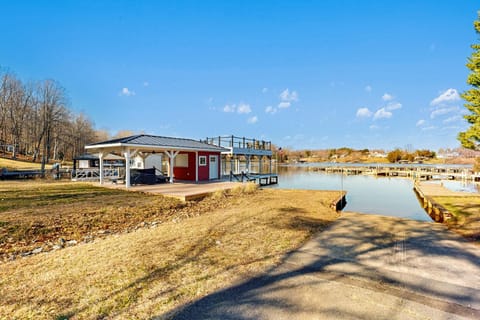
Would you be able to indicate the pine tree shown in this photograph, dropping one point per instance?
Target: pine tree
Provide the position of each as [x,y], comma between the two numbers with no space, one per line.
[471,137]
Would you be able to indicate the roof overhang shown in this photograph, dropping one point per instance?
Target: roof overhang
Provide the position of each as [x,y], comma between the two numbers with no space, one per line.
[146,148]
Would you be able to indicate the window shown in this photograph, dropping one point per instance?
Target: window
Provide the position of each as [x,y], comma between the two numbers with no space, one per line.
[202,160]
[181,160]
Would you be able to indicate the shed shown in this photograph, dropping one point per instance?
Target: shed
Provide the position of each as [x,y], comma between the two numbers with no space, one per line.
[188,159]
[87,166]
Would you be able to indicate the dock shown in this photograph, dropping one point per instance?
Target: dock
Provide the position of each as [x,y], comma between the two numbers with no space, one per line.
[426,191]
[414,171]
[260,179]
[20,174]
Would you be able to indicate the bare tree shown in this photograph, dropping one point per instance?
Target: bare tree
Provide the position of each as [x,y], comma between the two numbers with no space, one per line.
[35,119]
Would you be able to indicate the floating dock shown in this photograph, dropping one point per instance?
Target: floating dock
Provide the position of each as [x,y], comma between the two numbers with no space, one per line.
[417,172]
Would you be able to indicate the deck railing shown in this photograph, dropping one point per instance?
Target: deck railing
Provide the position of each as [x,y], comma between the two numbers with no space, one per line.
[239,142]
[94,173]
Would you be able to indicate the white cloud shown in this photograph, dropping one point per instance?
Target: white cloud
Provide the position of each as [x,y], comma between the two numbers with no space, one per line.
[146,84]
[229,108]
[429,128]
[244,108]
[126,92]
[374,127]
[393,106]
[442,111]
[387,97]
[452,119]
[420,123]
[368,88]
[252,120]
[270,110]
[382,114]
[284,105]
[286,95]
[264,90]
[364,113]
[445,97]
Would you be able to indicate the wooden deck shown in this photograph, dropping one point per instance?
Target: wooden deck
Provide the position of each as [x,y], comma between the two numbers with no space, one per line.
[185,191]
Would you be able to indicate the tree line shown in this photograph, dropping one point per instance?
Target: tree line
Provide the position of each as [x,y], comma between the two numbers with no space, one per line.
[37,123]
[398,155]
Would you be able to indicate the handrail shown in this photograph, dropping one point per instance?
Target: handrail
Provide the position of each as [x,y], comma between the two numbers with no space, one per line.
[239,142]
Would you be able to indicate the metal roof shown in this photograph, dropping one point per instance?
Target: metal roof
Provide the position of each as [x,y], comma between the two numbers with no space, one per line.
[152,142]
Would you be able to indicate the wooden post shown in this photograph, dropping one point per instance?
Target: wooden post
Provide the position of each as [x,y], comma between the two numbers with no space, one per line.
[100,159]
[171,154]
[127,168]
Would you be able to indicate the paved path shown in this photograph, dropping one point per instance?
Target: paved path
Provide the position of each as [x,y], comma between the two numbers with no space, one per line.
[438,190]
[362,267]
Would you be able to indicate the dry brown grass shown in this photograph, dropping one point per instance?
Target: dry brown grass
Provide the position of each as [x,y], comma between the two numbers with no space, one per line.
[149,272]
[466,215]
[36,214]
[15,164]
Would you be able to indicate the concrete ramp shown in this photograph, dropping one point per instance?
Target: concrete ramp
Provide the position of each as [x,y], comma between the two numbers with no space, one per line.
[362,267]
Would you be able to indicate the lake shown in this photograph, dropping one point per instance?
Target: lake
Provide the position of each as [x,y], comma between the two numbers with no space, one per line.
[365,194]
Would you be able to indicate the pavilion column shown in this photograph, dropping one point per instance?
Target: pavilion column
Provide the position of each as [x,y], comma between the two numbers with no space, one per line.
[144,157]
[100,159]
[172,154]
[127,168]
[220,168]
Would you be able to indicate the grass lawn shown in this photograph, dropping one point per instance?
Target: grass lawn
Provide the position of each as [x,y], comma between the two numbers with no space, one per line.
[37,214]
[195,248]
[466,215]
[20,165]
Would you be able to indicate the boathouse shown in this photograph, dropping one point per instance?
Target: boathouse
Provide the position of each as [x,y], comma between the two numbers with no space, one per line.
[186,159]
[246,159]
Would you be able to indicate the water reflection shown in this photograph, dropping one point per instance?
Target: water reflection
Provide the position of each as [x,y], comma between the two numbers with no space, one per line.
[460,186]
[366,194]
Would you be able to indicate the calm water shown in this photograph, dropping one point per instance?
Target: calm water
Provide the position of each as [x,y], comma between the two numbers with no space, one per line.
[366,194]
[461,186]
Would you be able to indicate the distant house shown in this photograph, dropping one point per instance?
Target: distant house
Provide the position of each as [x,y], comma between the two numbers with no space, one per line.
[377,154]
[186,159]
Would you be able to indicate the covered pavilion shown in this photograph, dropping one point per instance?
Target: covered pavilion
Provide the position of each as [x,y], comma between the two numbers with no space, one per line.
[188,159]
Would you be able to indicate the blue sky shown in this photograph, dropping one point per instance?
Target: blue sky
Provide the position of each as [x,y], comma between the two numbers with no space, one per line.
[303,74]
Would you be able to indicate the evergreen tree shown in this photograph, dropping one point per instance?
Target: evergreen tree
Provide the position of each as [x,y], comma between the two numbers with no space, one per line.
[471,137]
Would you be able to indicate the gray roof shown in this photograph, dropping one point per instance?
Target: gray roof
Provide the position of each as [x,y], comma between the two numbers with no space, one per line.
[152,142]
